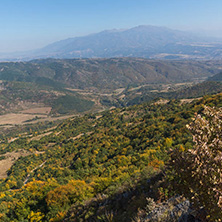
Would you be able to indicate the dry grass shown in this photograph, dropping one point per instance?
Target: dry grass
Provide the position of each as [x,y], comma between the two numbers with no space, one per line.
[17,118]
[5,164]
[12,119]
[39,110]
[161,101]
[119,91]
[49,118]
[189,100]
[40,136]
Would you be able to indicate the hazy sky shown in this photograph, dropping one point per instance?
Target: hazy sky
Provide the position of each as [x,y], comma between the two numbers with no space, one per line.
[30,24]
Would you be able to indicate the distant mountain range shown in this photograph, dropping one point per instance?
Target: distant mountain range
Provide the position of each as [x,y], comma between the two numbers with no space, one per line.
[142,41]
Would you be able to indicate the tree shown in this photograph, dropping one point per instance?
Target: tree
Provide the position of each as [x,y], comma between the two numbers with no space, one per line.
[197,172]
[63,196]
[35,217]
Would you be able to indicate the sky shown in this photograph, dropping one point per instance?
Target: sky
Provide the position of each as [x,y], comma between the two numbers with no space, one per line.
[32,24]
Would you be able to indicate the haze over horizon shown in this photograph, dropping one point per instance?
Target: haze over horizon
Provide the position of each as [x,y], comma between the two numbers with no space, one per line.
[27,25]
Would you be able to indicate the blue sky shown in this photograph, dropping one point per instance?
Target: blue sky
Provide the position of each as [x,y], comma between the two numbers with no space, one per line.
[30,24]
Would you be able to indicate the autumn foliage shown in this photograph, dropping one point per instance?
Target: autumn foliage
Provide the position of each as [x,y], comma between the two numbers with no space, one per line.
[108,153]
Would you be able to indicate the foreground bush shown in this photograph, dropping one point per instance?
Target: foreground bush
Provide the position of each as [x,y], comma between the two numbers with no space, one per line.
[197,173]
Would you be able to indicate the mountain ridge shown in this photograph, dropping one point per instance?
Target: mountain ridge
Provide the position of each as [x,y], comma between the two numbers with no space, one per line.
[112,73]
[140,41]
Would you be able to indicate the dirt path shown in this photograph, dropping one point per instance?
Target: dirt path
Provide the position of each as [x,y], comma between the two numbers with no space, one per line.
[80,135]
[10,159]
[40,136]
[28,176]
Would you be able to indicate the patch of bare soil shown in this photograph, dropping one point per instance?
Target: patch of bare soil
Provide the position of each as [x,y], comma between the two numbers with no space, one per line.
[161,101]
[80,135]
[50,118]
[119,91]
[17,118]
[10,140]
[12,119]
[97,117]
[77,137]
[39,110]
[40,136]
[75,90]
[10,158]
[189,100]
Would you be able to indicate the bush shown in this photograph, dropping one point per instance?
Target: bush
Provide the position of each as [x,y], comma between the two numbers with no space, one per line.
[197,173]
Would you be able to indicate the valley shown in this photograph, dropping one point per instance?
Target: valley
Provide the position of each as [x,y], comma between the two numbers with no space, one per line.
[90,139]
[111,111]
[33,112]
[64,87]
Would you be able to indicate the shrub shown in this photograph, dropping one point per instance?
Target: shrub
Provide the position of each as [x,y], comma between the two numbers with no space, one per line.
[197,173]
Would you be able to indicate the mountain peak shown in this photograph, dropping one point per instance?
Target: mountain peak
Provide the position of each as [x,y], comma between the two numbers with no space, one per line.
[141,41]
[146,27]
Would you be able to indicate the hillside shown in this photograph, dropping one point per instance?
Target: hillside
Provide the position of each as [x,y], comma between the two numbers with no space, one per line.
[102,74]
[42,89]
[108,159]
[170,91]
[141,41]
[217,77]
[23,96]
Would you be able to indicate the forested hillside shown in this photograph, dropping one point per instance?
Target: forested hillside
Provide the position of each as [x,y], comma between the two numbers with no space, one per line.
[76,86]
[217,77]
[104,165]
[20,96]
[106,74]
[173,91]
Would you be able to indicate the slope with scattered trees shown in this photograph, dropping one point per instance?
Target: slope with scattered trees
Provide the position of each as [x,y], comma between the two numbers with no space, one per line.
[97,162]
